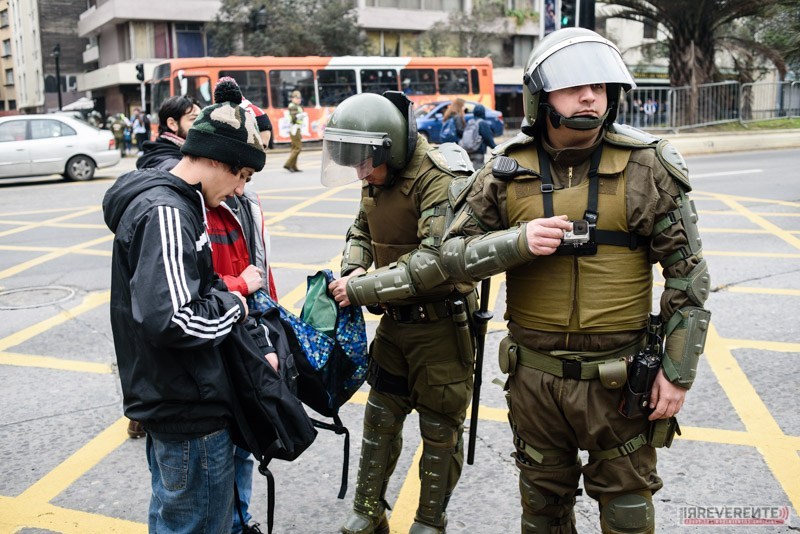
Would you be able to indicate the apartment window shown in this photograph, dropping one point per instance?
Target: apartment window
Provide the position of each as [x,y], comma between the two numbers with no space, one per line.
[191,40]
[3,18]
[650,29]
[6,47]
[9,77]
[162,38]
[2,105]
[12,105]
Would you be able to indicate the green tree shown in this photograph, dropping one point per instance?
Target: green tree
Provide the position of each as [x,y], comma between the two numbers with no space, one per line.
[285,28]
[468,34]
[696,30]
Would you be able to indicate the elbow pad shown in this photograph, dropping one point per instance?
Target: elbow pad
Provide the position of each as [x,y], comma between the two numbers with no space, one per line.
[685,334]
[492,253]
[696,285]
[397,281]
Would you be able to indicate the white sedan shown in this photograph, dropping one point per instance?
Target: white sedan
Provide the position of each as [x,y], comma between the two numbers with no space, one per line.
[34,145]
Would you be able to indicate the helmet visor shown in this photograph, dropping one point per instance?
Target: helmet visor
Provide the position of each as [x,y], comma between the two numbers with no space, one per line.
[348,156]
[579,63]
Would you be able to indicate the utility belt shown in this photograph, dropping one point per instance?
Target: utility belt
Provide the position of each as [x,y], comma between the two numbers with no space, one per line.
[611,367]
[427,312]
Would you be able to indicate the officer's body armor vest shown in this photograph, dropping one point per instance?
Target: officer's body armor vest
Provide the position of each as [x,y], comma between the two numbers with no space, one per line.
[393,216]
[610,291]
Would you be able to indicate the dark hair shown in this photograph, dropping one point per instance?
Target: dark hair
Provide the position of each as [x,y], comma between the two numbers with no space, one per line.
[174,107]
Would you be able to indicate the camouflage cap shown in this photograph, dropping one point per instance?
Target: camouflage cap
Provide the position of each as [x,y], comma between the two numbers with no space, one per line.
[228,133]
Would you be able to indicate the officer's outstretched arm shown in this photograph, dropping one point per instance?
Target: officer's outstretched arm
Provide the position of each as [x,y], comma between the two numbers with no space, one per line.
[686,272]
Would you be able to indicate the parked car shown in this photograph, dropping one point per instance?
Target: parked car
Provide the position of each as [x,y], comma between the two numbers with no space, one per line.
[429,118]
[32,145]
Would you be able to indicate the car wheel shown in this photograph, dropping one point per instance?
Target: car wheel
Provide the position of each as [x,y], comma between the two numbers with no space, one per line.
[80,169]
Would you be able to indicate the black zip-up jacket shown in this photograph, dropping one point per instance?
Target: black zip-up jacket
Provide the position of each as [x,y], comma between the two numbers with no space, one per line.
[159,154]
[167,317]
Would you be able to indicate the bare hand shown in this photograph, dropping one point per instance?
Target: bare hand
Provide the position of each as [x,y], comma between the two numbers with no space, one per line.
[338,288]
[666,399]
[244,303]
[253,277]
[544,235]
[272,358]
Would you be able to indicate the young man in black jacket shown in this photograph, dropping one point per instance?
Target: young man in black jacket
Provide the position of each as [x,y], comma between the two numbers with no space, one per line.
[175,116]
[169,317]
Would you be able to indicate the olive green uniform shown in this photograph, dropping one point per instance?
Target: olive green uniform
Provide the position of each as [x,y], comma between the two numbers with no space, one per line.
[592,308]
[416,361]
[295,134]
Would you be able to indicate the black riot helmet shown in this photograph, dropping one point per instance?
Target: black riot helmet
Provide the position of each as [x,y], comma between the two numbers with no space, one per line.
[365,131]
[568,58]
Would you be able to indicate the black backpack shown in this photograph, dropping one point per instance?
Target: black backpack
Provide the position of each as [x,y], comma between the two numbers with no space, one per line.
[269,421]
[330,351]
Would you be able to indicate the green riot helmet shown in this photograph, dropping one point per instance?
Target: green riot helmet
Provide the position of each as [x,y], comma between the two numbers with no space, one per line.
[364,132]
[568,58]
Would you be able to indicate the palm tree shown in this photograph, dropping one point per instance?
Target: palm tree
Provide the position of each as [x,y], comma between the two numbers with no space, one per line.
[695,29]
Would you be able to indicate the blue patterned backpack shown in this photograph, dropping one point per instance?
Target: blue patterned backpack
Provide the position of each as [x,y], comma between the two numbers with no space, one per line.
[330,348]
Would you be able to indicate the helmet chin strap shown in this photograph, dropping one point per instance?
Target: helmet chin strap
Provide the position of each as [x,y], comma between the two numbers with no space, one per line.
[574,123]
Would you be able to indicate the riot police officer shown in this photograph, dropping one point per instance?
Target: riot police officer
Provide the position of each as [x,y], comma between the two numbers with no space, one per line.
[578,301]
[419,360]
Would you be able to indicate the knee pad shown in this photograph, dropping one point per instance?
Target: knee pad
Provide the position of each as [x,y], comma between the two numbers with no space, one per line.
[380,417]
[536,501]
[438,432]
[628,514]
[542,524]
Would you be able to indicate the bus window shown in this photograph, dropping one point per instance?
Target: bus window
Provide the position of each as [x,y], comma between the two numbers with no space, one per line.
[283,82]
[197,87]
[253,84]
[378,80]
[335,86]
[160,93]
[418,81]
[453,81]
[476,82]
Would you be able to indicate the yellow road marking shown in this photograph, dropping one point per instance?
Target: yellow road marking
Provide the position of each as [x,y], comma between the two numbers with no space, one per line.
[56,224]
[91,301]
[33,225]
[15,515]
[67,472]
[782,460]
[47,362]
[764,223]
[85,252]
[52,255]
[405,507]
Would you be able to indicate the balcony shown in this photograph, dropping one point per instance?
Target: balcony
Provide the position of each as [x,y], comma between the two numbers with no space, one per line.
[93,20]
[91,54]
[111,75]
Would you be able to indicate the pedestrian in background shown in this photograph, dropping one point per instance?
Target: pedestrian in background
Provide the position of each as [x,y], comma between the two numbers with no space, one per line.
[296,117]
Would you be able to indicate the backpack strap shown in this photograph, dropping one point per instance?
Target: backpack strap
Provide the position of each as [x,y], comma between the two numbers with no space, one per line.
[339,428]
[264,470]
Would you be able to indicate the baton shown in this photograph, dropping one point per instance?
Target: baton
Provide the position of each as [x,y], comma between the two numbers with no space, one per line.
[482,316]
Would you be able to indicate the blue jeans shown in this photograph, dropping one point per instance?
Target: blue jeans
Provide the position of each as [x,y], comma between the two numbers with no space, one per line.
[243,461]
[192,484]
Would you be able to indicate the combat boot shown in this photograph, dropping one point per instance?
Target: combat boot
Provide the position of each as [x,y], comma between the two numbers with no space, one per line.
[420,528]
[357,523]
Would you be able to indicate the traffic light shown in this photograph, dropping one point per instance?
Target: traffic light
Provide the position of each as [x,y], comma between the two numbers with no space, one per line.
[568,13]
[140,72]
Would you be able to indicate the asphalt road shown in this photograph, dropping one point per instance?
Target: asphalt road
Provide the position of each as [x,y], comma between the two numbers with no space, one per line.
[68,465]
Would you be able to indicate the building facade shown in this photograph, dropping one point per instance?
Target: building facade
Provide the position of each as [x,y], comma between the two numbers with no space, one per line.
[37,27]
[8,92]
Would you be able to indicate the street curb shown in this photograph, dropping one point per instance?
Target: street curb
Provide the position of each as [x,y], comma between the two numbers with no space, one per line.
[701,143]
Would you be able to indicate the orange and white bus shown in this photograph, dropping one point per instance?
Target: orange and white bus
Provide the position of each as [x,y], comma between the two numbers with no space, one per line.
[323,82]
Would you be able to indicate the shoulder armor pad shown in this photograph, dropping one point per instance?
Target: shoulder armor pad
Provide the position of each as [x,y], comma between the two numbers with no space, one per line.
[451,158]
[518,140]
[673,161]
[458,189]
[630,137]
